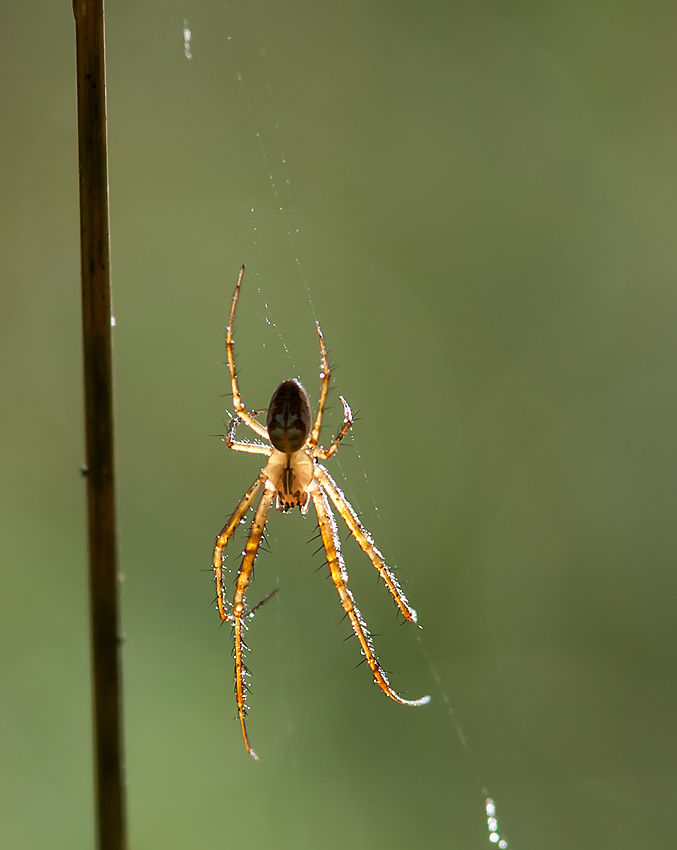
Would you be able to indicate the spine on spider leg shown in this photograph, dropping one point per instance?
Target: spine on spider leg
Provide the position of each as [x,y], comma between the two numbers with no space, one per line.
[239,601]
[366,542]
[225,612]
[339,576]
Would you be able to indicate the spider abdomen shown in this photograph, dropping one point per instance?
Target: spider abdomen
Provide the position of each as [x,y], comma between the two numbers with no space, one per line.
[288,419]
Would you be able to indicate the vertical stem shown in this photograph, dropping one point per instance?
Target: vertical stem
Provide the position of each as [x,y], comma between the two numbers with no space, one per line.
[98,392]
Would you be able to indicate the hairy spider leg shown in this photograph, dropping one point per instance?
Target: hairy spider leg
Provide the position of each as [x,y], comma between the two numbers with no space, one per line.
[243,576]
[323,454]
[339,576]
[226,534]
[238,404]
[365,540]
[244,445]
[325,376]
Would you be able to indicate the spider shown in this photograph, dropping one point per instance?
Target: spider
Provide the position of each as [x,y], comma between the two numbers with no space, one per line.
[294,477]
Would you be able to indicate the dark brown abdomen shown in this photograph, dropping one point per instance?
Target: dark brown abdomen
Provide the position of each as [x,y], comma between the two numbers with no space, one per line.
[288,419]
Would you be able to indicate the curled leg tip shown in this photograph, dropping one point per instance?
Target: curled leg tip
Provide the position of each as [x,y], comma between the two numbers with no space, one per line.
[415,702]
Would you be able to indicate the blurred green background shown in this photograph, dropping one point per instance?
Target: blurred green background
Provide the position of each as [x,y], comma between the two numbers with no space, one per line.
[478,203]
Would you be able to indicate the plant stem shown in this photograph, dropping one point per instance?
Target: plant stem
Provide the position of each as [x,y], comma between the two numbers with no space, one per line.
[99,436]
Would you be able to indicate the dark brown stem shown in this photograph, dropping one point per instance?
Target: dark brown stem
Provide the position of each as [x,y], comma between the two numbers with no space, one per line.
[98,392]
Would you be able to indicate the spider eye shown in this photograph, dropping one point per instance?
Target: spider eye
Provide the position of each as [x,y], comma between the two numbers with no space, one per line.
[288,419]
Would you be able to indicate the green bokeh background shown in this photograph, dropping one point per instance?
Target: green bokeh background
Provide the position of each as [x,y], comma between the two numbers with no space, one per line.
[478,203]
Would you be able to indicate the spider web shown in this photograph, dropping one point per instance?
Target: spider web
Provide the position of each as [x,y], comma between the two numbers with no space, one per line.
[495,837]
[273,219]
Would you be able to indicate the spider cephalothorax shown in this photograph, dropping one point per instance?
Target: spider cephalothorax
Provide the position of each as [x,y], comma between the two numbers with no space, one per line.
[293,477]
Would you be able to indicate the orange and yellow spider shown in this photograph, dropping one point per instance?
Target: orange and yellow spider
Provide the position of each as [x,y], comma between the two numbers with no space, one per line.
[293,477]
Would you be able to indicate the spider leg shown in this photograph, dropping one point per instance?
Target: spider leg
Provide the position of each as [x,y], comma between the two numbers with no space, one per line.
[365,540]
[224,537]
[324,376]
[238,404]
[339,576]
[238,614]
[324,454]
[243,445]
